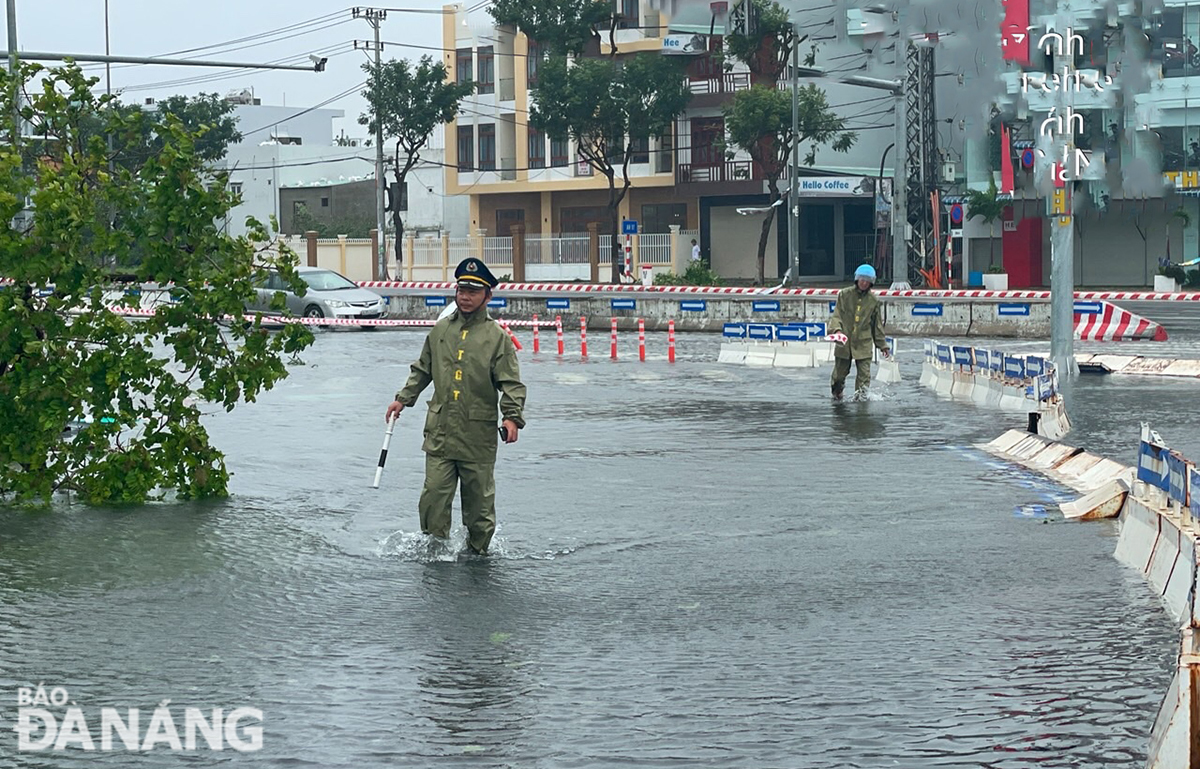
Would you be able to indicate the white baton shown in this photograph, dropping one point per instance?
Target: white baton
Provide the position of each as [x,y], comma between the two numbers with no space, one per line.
[387,440]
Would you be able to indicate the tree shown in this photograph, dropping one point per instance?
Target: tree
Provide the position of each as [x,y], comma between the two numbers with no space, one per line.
[563,27]
[759,121]
[351,225]
[604,105]
[409,102]
[989,207]
[207,116]
[767,50]
[68,360]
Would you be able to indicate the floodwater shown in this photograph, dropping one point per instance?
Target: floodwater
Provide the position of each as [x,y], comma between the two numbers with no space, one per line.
[696,565]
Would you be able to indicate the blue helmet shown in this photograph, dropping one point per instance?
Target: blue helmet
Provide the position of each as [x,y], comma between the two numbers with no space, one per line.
[866,272]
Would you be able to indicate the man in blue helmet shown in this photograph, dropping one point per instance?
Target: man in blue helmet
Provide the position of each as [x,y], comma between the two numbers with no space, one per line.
[855,327]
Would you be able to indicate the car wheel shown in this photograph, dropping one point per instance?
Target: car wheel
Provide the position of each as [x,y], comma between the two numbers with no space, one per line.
[313,311]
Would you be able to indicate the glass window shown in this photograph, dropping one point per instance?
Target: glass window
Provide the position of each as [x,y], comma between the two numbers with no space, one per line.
[537,148]
[326,280]
[487,148]
[629,14]
[578,219]
[533,62]
[558,152]
[487,70]
[640,150]
[659,217]
[462,65]
[466,147]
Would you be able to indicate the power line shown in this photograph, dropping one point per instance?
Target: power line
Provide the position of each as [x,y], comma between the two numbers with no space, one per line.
[215,77]
[318,106]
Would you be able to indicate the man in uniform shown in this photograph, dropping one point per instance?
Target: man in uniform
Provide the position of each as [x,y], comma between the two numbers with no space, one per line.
[855,326]
[472,364]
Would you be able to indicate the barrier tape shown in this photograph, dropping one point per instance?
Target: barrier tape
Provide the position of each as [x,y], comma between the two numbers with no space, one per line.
[276,319]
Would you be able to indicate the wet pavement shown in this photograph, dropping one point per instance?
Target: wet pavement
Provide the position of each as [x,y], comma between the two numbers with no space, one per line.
[697,565]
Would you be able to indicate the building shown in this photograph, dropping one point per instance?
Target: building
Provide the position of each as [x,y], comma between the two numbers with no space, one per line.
[1137,127]
[513,175]
[288,152]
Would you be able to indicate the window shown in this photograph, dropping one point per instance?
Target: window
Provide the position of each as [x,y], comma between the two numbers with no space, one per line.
[466,147]
[577,219]
[462,65]
[487,147]
[640,150]
[558,152]
[324,202]
[537,148]
[628,10]
[658,218]
[235,188]
[487,70]
[533,62]
[506,218]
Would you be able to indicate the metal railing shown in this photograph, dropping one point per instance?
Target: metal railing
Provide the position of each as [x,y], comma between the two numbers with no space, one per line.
[547,249]
[728,171]
[654,248]
[724,82]
[427,252]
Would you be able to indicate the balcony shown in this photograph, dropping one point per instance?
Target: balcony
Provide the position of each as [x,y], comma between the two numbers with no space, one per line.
[728,82]
[729,171]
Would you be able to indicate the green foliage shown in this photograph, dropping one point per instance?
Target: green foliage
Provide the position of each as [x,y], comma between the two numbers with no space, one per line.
[1193,279]
[697,274]
[409,101]
[66,358]
[759,121]
[207,116]
[988,206]
[351,226]
[1175,272]
[767,52]
[600,103]
[995,269]
[564,27]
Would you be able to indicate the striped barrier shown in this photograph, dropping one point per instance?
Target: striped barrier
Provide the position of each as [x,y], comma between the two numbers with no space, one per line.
[1159,504]
[995,379]
[1100,321]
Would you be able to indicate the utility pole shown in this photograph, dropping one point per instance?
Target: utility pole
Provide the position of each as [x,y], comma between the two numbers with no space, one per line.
[900,183]
[1062,224]
[375,17]
[794,194]
[13,65]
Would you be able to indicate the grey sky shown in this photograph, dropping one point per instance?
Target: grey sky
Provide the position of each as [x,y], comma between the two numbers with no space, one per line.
[142,28]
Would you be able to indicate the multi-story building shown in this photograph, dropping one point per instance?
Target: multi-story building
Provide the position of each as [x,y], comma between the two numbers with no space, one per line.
[513,174]
[1139,125]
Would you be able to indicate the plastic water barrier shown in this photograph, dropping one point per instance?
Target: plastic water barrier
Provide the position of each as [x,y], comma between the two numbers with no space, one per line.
[781,345]
[997,379]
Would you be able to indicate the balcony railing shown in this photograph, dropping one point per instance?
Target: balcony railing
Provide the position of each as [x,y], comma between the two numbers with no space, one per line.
[727,82]
[729,171]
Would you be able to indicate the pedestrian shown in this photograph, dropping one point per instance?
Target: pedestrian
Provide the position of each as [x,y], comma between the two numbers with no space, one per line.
[472,364]
[695,251]
[855,326]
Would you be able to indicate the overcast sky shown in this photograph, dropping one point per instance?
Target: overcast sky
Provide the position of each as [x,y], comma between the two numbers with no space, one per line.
[144,28]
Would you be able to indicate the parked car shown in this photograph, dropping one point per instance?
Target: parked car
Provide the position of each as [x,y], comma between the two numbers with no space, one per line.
[330,295]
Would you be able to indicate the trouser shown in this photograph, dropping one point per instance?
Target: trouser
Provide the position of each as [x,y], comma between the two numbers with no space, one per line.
[478,483]
[841,370]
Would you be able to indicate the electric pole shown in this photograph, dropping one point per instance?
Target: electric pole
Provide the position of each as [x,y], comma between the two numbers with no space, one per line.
[794,193]
[13,65]
[1062,224]
[375,17]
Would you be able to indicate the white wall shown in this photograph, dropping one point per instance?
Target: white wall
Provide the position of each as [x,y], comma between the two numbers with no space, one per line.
[733,244]
[258,122]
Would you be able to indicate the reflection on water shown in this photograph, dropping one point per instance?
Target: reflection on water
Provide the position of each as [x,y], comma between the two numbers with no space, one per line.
[696,565]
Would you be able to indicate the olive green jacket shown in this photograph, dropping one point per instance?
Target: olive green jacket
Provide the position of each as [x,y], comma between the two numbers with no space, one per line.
[472,364]
[858,316]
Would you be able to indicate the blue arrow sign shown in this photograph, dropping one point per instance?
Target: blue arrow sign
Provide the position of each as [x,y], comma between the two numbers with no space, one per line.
[815,330]
[1088,308]
[435,301]
[693,305]
[558,304]
[624,304]
[927,309]
[1012,309]
[760,331]
[791,334]
[733,330]
[962,356]
[498,302]
[766,306]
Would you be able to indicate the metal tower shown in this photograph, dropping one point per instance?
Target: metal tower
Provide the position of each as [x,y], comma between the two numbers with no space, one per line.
[920,153]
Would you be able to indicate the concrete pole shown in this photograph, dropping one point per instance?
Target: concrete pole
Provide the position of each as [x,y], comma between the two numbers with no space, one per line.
[12,70]
[381,261]
[1062,230]
[793,208]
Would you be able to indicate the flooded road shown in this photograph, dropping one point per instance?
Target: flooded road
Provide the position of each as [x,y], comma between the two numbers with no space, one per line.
[696,565]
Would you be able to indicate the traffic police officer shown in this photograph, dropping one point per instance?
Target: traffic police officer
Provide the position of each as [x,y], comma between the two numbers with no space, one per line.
[856,325]
[472,364]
